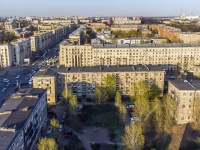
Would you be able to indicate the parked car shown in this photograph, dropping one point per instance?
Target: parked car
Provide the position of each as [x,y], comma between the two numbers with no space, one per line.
[67,134]
[18,76]
[49,129]
[5,80]
[8,84]
[3,90]
[134,118]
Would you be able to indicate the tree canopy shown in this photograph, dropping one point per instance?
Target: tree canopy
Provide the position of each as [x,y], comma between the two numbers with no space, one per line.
[109,84]
[47,143]
[133,139]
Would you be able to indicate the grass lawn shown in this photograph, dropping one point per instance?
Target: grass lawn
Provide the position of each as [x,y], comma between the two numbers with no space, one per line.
[102,116]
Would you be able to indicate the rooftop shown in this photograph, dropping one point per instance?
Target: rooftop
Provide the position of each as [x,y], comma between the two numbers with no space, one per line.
[44,72]
[134,68]
[186,85]
[14,113]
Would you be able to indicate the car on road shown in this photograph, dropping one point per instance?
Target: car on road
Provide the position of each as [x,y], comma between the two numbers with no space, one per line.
[8,84]
[3,90]
[67,134]
[18,76]
[134,119]
[49,129]
[5,80]
[173,77]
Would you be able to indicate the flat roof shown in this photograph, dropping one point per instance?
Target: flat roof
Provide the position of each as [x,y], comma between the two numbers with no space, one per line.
[181,85]
[44,72]
[145,45]
[134,68]
[14,113]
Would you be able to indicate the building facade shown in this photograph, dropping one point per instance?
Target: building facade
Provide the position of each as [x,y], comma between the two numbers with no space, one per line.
[46,79]
[5,55]
[21,50]
[185,94]
[167,55]
[41,40]
[22,119]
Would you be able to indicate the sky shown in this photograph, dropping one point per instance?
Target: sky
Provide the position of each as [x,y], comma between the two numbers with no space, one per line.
[99,7]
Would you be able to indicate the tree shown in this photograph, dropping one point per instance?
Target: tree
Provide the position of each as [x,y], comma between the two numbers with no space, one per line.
[100,95]
[133,139]
[97,95]
[139,89]
[141,102]
[109,84]
[73,102]
[122,112]
[169,109]
[118,99]
[157,115]
[196,115]
[55,124]
[154,92]
[47,143]
[67,94]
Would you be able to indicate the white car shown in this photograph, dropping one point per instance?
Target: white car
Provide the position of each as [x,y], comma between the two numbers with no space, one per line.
[8,84]
[134,118]
[173,77]
[4,89]
[18,76]
[49,129]
[5,80]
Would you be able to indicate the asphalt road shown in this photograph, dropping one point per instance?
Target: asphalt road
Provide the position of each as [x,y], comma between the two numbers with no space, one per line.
[25,73]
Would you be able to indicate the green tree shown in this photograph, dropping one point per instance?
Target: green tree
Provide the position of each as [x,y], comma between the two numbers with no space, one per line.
[73,102]
[100,95]
[122,112]
[157,115]
[133,139]
[67,94]
[169,110]
[118,99]
[47,144]
[55,123]
[109,84]
[140,90]
[154,92]
[196,115]
[97,95]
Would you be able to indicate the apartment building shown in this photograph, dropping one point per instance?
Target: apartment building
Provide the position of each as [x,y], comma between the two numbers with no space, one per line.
[22,118]
[188,37]
[168,32]
[21,50]
[196,71]
[126,20]
[185,94]
[46,79]
[131,40]
[41,40]
[167,55]
[10,25]
[75,55]
[6,55]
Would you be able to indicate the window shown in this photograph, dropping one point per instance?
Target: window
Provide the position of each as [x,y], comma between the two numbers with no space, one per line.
[189,106]
[188,117]
[190,94]
[183,106]
[182,118]
[184,94]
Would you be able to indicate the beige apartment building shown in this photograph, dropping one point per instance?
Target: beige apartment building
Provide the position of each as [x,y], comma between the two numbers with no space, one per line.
[5,55]
[41,40]
[166,55]
[82,81]
[185,94]
[188,37]
[196,71]
[46,79]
